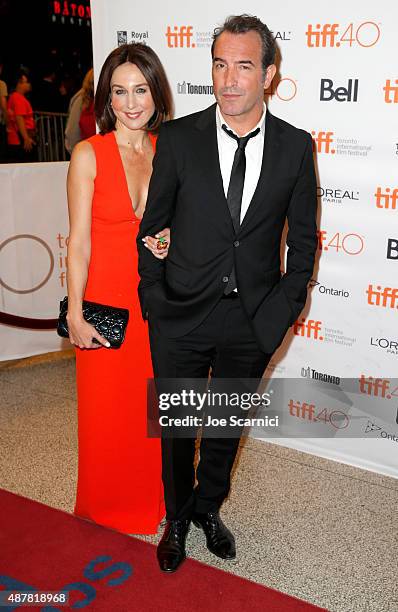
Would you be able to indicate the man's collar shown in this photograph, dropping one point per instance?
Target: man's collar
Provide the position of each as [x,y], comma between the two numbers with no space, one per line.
[261,124]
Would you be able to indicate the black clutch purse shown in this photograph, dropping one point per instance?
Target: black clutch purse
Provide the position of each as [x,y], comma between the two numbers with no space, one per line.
[109,321]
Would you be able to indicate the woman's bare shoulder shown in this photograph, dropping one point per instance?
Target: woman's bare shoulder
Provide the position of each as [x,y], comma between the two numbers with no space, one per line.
[83,159]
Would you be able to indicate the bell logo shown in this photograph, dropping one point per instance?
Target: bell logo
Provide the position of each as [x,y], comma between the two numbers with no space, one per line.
[309,329]
[365,34]
[392,248]
[391,92]
[340,94]
[181,36]
[386,198]
[321,142]
[385,298]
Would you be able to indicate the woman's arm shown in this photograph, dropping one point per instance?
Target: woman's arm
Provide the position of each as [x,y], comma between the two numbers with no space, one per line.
[80,186]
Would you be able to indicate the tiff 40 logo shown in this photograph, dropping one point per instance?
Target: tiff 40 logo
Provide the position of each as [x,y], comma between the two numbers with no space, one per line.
[350,244]
[365,34]
[377,387]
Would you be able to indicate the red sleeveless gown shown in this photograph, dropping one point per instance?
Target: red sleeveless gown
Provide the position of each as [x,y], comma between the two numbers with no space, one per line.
[119,469]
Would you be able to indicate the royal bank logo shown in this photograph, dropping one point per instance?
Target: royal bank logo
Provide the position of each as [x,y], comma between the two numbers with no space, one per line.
[194,89]
[124,37]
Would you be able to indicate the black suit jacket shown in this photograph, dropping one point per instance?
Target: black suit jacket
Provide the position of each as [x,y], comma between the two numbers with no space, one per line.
[186,194]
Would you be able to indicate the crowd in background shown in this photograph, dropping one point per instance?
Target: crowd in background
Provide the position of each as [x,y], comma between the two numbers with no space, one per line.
[49,92]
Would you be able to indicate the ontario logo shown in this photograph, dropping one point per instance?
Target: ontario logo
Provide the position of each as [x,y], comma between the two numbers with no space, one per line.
[365,34]
[382,433]
[328,290]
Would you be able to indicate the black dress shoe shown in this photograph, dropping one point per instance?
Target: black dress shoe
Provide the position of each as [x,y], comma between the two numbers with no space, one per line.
[219,539]
[171,549]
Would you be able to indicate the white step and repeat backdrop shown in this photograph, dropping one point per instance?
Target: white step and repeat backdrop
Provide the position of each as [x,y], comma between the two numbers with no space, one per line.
[338,79]
[33,235]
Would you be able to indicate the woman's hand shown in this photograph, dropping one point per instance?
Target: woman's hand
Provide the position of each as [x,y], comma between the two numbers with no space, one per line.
[81,334]
[159,246]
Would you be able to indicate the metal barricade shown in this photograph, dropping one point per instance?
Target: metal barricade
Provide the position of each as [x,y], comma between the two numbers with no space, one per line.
[51,136]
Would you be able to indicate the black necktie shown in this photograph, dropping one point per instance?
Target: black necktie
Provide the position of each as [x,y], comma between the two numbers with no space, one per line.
[235,188]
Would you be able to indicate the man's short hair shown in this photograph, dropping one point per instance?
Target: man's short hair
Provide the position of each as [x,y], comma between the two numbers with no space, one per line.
[240,24]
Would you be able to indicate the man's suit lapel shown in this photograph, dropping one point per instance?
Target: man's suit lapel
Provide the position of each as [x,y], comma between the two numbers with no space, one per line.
[269,168]
[207,150]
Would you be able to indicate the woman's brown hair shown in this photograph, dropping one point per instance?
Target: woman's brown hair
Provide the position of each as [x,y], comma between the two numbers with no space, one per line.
[151,67]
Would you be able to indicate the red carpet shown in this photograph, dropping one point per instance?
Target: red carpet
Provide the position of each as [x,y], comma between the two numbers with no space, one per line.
[110,572]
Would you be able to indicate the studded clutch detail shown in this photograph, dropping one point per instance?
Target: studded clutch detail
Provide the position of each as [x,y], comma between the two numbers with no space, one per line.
[109,321]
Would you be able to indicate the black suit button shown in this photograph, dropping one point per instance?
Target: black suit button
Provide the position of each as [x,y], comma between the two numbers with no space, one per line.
[225,279]
[236,243]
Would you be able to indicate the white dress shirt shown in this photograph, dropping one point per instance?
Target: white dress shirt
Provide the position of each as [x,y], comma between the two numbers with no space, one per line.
[254,157]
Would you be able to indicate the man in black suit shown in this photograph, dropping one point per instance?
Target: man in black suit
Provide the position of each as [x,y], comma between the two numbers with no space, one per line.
[225,180]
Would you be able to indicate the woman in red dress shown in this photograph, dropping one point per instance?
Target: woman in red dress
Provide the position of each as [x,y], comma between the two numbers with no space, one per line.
[119,471]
